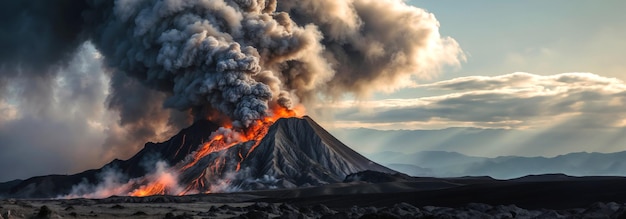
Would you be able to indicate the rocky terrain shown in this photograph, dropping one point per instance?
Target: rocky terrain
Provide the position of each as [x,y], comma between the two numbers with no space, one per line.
[186,207]
[366,194]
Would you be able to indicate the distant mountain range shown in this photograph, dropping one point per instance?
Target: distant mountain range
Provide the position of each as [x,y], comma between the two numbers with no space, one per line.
[484,142]
[452,164]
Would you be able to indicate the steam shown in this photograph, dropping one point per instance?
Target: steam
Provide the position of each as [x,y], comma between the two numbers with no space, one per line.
[163,176]
[113,182]
[229,136]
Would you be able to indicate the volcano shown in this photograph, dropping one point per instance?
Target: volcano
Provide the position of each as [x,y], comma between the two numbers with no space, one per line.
[295,152]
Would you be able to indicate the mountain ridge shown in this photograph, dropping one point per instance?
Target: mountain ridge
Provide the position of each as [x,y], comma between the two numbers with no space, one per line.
[295,152]
[481,142]
[56,184]
[436,163]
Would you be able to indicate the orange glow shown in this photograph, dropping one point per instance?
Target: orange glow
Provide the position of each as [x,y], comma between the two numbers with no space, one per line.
[240,160]
[281,112]
[162,182]
[195,184]
[150,189]
[257,130]
[216,144]
[222,139]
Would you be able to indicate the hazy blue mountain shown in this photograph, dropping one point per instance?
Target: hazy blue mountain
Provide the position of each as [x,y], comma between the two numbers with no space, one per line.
[410,169]
[483,142]
[452,164]
[574,164]
[410,141]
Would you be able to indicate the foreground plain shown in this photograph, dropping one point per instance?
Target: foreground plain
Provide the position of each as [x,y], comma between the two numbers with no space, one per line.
[371,196]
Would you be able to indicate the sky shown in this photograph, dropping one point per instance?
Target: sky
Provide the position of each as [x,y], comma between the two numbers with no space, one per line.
[542,37]
[536,37]
[550,73]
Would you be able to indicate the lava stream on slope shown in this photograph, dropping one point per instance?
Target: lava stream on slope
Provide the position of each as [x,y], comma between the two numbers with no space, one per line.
[222,139]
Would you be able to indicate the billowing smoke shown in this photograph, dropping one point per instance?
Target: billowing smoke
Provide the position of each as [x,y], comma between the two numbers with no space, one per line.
[225,56]
[242,57]
[374,45]
[231,58]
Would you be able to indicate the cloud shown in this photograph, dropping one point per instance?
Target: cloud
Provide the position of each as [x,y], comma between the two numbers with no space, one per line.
[49,123]
[60,123]
[513,101]
[8,111]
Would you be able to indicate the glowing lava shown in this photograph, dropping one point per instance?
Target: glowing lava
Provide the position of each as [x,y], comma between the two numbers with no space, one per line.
[163,181]
[222,139]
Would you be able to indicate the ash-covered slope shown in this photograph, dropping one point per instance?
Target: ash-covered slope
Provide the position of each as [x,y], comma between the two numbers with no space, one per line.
[294,152]
[301,153]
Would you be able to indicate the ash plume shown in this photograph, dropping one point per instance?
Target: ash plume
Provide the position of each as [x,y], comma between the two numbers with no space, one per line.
[241,57]
[207,55]
[235,58]
[375,45]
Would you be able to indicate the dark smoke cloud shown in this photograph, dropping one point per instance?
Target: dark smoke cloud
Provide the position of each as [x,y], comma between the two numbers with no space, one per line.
[37,34]
[170,60]
[50,124]
[206,54]
[67,129]
[142,117]
[52,86]
[242,57]
[36,39]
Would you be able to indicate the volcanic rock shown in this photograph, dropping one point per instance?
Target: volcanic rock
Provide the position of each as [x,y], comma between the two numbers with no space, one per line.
[376,177]
[253,214]
[6,214]
[44,212]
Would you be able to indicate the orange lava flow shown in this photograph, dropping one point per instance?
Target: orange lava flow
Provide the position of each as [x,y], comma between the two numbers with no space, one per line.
[158,184]
[215,144]
[150,189]
[240,160]
[259,129]
[220,141]
[196,183]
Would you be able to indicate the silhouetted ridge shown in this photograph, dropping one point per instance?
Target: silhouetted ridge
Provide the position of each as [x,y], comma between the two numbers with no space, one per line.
[376,177]
[294,153]
[172,151]
[51,186]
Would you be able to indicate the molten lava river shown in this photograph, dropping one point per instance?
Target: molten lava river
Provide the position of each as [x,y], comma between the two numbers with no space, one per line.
[166,179]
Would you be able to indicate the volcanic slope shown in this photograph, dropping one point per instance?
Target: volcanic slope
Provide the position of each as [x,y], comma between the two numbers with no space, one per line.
[299,152]
[172,151]
[295,152]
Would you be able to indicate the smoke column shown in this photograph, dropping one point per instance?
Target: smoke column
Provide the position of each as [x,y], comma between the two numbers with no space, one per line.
[231,58]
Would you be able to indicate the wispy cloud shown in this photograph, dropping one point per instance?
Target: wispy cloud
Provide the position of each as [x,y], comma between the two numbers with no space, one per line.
[513,101]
